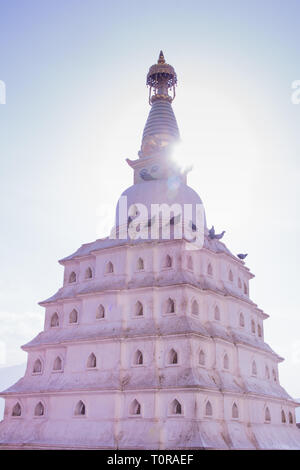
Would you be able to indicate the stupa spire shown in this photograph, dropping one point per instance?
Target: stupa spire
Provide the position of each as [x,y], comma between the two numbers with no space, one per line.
[161,129]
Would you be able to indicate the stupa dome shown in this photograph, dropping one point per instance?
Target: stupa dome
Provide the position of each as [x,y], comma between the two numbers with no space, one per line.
[162,191]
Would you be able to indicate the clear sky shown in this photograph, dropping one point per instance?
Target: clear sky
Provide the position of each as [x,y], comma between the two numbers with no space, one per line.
[75,108]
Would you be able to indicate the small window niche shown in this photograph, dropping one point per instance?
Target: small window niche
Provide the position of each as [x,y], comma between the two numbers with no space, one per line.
[175,407]
[267,373]
[54,321]
[37,367]
[80,409]
[140,264]
[168,262]
[16,411]
[92,361]
[135,408]
[226,362]
[202,358]
[39,410]
[235,411]
[259,331]
[170,306]
[208,409]
[217,314]
[88,273]
[210,270]
[138,309]
[100,313]
[73,317]
[138,359]
[72,277]
[58,365]
[254,369]
[195,308]
[267,415]
[109,268]
[172,357]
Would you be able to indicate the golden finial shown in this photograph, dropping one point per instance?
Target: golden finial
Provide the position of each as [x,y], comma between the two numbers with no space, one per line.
[160,78]
[161,59]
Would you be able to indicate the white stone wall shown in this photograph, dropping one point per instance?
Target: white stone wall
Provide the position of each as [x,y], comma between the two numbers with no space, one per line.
[109,390]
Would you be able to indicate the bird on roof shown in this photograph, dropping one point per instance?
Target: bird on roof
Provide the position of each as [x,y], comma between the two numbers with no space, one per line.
[212,234]
[242,255]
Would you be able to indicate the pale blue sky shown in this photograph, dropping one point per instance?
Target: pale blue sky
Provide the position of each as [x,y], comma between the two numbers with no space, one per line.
[76,106]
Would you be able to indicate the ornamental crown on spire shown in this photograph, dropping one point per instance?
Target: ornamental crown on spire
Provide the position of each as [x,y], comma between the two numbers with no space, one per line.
[160,78]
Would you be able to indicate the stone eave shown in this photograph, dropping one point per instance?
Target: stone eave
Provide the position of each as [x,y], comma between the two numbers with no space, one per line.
[73,256]
[125,286]
[261,313]
[122,243]
[116,243]
[273,398]
[272,353]
[122,337]
[110,390]
[187,388]
[248,346]
[27,347]
[140,162]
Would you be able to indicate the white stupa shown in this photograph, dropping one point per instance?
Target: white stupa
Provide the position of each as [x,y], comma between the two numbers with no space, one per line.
[152,342]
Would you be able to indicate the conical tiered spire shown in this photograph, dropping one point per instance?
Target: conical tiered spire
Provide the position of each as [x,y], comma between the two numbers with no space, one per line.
[161,128]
